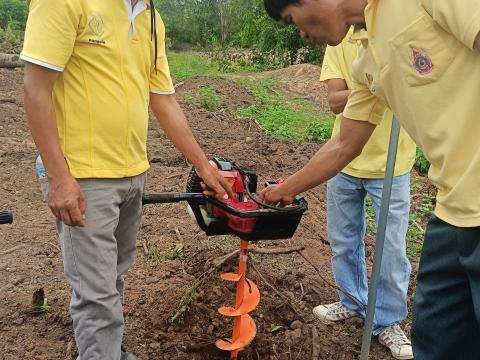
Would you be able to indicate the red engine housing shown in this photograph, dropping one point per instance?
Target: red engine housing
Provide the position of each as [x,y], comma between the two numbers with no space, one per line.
[239,224]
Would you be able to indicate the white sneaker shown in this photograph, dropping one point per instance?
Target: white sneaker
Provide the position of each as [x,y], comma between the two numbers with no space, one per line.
[394,338]
[333,312]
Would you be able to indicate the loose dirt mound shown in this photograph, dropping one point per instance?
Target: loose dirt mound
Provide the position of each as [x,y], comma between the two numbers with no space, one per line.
[165,270]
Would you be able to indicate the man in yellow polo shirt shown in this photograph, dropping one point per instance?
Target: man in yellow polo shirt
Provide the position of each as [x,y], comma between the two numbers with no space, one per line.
[92,69]
[421,58]
[346,194]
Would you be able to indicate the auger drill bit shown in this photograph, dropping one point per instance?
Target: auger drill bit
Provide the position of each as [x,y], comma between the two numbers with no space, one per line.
[247,299]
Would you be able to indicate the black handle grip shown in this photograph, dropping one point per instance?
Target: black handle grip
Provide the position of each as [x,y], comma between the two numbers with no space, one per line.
[165,198]
[6,217]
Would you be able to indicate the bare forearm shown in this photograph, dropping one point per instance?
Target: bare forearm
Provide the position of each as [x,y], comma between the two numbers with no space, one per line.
[332,157]
[42,124]
[338,100]
[326,163]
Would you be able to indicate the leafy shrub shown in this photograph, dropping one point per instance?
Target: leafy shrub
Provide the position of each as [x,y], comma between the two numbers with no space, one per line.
[421,163]
[206,97]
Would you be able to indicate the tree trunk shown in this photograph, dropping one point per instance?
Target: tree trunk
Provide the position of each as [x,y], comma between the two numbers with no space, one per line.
[223,21]
[10,61]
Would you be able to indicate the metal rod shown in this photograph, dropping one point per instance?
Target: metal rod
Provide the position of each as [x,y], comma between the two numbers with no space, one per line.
[380,239]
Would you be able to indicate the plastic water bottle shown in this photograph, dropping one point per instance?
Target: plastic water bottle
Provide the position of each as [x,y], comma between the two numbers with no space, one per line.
[42,177]
[41,172]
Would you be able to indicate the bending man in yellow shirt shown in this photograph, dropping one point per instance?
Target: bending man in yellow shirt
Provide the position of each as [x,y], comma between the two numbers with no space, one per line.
[421,59]
[346,194]
[91,72]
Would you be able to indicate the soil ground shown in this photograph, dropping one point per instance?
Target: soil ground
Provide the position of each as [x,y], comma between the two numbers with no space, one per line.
[164,269]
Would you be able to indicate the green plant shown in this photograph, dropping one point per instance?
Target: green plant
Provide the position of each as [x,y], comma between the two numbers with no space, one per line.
[421,163]
[187,65]
[321,130]
[46,307]
[178,253]
[417,219]
[154,257]
[370,216]
[206,97]
[281,117]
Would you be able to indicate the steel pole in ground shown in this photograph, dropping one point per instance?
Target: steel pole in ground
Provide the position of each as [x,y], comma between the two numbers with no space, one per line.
[380,240]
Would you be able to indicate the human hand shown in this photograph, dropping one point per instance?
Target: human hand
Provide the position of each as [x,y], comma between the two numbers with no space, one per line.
[67,201]
[277,195]
[213,184]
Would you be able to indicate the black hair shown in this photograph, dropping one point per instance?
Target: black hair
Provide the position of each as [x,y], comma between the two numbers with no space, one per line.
[275,8]
[153,30]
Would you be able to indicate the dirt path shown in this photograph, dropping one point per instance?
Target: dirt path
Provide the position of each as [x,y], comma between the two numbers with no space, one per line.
[164,271]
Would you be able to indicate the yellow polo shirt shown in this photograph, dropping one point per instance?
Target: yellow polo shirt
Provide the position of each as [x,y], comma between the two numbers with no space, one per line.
[104,52]
[371,164]
[423,66]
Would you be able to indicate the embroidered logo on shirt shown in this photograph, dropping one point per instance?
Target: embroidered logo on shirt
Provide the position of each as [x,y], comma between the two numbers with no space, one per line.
[421,62]
[96,25]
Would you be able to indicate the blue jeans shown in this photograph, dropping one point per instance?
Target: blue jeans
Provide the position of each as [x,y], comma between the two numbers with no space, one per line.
[346,231]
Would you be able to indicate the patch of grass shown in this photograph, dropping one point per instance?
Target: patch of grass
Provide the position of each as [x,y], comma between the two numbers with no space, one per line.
[417,219]
[188,65]
[154,257]
[185,66]
[178,253]
[418,216]
[282,117]
[207,97]
[370,216]
[421,163]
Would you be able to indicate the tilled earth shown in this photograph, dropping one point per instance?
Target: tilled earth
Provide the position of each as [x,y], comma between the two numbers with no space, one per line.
[173,254]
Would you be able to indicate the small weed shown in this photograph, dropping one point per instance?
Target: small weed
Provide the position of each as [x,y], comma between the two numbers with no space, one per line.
[207,97]
[417,218]
[421,163]
[46,307]
[178,253]
[275,328]
[154,257]
[370,216]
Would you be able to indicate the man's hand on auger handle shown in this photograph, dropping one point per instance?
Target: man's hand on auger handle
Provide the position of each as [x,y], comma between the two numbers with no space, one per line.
[277,195]
[214,185]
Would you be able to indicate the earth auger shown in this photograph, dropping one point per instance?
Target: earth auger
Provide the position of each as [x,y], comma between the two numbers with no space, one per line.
[248,218]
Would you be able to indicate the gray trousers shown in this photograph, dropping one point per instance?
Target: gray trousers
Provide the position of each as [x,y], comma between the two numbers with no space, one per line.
[96,257]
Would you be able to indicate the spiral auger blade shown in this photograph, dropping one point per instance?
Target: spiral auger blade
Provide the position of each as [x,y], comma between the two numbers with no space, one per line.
[247,299]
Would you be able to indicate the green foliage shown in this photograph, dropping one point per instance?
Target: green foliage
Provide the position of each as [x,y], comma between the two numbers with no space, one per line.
[185,66]
[225,24]
[421,163]
[297,120]
[321,130]
[13,14]
[422,208]
[206,97]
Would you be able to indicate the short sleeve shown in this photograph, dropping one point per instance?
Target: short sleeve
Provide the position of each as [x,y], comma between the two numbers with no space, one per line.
[362,105]
[51,32]
[331,65]
[160,79]
[460,18]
